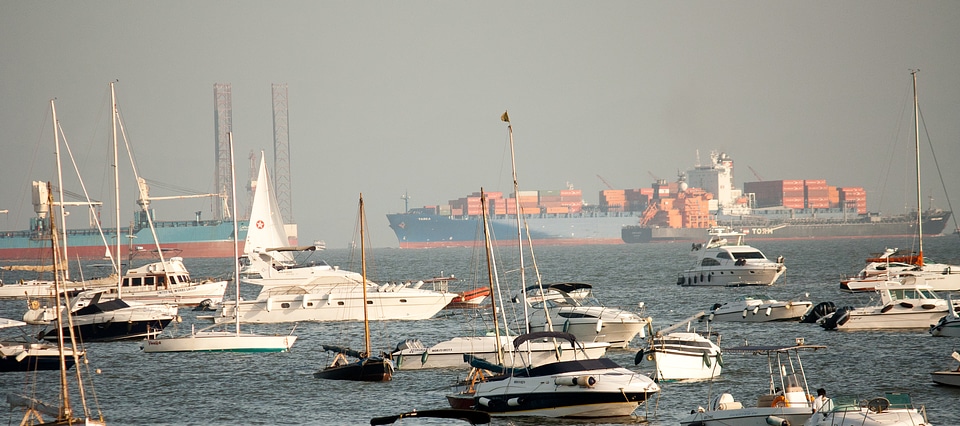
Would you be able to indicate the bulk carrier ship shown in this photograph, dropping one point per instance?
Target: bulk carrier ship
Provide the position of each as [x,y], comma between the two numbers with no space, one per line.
[702,198]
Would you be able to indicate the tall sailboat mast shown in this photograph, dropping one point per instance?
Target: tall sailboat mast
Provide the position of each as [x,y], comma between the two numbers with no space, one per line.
[63,215]
[363,270]
[236,246]
[516,199]
[490,265]
[116,182]
[916,119]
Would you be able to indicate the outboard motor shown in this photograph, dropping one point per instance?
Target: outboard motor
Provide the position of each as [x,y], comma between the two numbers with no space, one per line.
[818,311]
[838,318]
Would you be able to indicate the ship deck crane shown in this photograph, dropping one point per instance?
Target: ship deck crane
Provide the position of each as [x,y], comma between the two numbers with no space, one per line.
[609,186]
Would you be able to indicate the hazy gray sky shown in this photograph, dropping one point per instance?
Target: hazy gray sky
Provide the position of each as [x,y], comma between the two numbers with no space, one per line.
[390,96]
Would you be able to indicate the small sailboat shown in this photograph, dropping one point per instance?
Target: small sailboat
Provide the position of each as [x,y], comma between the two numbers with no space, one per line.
[366,368]
[208,340]
[908,268]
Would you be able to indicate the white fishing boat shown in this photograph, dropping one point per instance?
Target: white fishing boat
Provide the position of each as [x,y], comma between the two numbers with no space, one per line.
[892,409]
[210,340]
[671,356]
[948,377]
[724,260]
[787,401]
[901,307]
[758,308]
[572,308]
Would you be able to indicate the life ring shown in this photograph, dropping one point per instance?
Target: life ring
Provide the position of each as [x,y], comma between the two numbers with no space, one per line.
[34,304]
[779,401]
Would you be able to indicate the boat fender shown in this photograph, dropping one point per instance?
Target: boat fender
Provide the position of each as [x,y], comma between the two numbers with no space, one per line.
[586,381]
[423,358]
[701,277]
[744,312]
[639,358]
[780,401]
[769,310]
[886,308]
[679,280]
[710,318]
[777,421]
[565,381]
[907,305]
[566,326]
[928,306]
[484,401]
[706,359]
[599,325]
[710,277]
[756,309]
[514,402]
[720,359]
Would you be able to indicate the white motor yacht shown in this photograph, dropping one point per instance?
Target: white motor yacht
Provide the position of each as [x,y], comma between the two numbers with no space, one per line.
[759,308]
[97,320]
[681,356]
[572,308]
[787,401]
[166,282]
[901,306]
[582,388]
[724,260]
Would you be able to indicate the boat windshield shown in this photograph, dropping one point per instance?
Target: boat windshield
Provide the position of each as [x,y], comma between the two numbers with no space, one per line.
[841,403]
[898,400]
[912,294]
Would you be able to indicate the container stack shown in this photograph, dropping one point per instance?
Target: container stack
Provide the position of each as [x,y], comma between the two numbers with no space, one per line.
[816,194]
[853,198]
[613,200]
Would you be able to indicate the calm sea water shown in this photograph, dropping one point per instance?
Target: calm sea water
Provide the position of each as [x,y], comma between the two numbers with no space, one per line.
[134,388]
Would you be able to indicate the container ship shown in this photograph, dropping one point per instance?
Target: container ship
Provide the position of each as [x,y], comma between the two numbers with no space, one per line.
[554,217]
[192,238]
[701,198]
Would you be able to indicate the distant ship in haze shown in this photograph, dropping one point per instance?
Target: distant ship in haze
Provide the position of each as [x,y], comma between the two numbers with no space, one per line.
[701,198]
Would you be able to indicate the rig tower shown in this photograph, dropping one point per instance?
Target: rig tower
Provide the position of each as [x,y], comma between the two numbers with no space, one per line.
[223,119]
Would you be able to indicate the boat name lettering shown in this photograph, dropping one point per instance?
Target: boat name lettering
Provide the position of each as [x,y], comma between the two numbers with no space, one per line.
[762,231]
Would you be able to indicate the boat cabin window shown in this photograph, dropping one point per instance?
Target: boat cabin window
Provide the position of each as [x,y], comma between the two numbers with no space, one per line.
[709,262]
[724,255]
[149,280]
[748,255]
[912,294]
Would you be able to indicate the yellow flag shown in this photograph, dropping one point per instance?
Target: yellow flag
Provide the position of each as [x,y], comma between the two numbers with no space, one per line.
[505,117]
